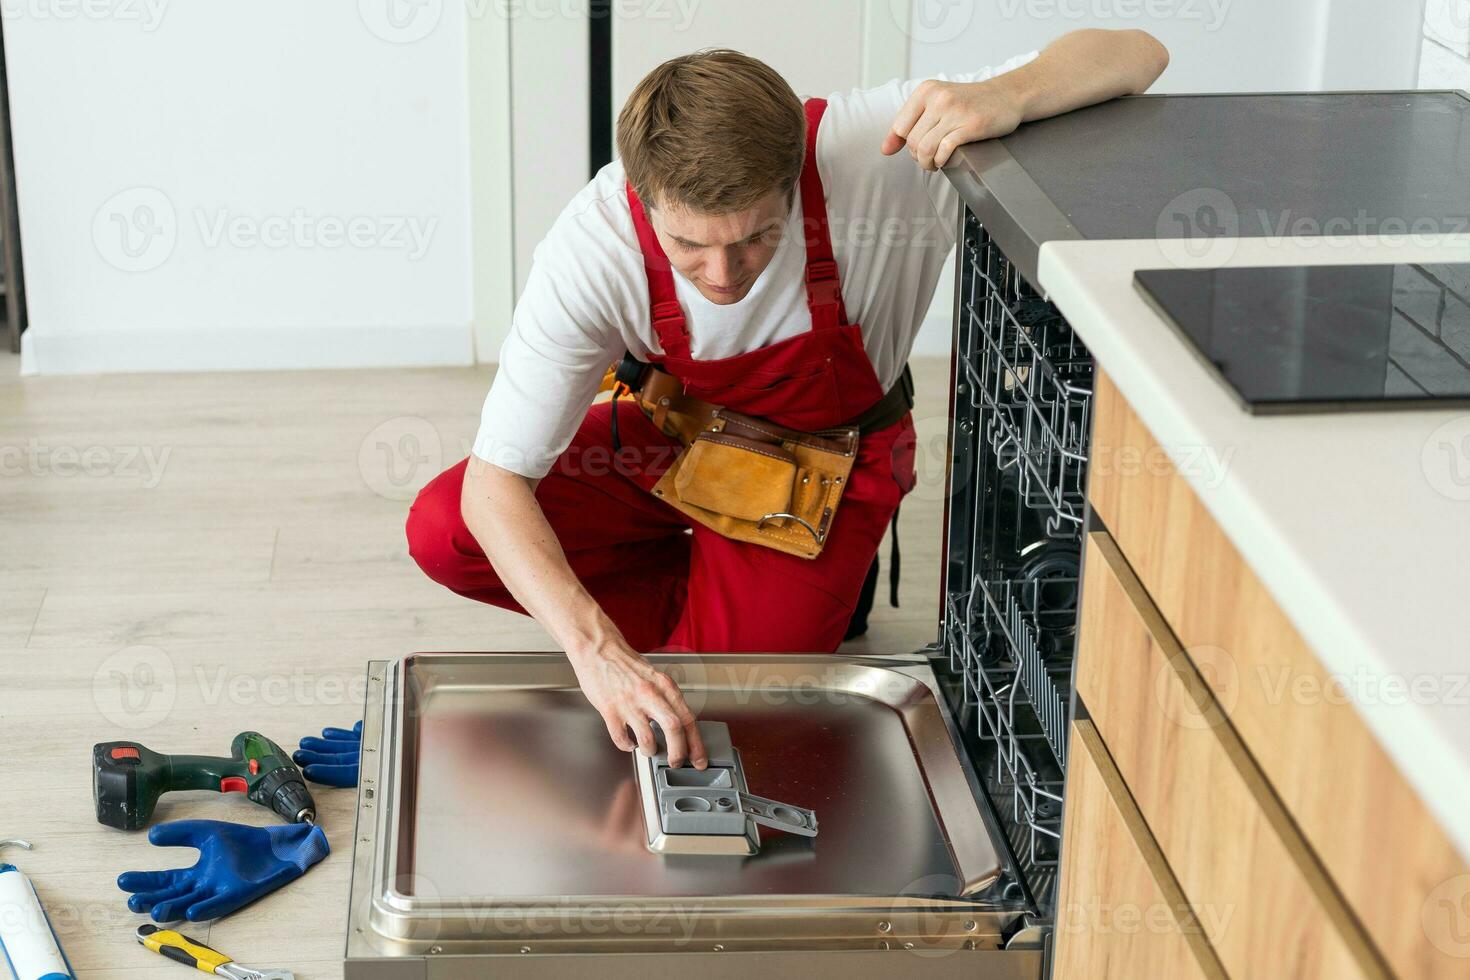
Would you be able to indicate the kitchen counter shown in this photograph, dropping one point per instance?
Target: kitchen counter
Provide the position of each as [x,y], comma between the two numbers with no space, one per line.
[1249,166]
[1357,523]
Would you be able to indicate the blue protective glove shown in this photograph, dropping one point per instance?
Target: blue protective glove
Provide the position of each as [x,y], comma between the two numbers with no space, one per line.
[331,759]
[237,864]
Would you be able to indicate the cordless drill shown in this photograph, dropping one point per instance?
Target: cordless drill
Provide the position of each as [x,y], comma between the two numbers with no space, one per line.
[128,779]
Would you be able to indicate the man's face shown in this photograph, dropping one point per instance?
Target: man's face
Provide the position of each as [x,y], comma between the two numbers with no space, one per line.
[722,254]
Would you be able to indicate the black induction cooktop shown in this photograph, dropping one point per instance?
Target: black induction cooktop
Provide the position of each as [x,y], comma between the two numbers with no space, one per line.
[1325,338]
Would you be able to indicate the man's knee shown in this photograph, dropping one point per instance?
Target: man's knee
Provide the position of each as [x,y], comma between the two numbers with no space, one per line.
[435,526]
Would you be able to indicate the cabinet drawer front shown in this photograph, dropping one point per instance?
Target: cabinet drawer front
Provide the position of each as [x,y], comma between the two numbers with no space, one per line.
[1120,913]
[1262,899]
[1383,850]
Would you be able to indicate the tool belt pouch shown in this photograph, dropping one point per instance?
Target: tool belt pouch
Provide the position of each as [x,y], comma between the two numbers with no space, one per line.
[753,481]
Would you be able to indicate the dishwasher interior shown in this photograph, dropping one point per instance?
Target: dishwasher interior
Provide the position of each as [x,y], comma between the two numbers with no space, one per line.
[500,832]
[1021,401]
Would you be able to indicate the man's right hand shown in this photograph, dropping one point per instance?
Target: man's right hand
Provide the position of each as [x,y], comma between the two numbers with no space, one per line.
[630,694]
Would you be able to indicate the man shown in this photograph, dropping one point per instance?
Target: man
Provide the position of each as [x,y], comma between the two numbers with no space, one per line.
[707,249]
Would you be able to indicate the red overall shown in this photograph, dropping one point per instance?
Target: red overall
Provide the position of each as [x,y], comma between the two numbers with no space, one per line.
[670,583]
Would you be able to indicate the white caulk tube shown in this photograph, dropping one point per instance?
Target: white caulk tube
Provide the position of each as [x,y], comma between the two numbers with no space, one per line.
[28,945]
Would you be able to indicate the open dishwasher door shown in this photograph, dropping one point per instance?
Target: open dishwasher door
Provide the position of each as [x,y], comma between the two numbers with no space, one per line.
[500,833]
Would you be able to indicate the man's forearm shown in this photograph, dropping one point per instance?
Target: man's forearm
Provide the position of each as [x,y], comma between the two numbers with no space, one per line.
[1077,69]
[1083,68]
[500,509]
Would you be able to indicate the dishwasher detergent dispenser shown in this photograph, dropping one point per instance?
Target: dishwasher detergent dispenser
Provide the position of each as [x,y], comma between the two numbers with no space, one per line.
[709,811]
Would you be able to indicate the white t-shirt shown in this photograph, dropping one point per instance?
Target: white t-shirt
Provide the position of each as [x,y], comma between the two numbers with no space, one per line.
[586,299]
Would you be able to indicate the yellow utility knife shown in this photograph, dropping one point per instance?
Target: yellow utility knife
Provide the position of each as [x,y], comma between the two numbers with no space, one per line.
[190,952]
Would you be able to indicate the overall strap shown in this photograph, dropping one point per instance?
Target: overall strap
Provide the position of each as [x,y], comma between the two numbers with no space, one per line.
[823,289]
[663,299]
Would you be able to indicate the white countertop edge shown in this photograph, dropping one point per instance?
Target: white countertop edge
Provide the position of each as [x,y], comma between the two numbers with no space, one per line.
[1175,395]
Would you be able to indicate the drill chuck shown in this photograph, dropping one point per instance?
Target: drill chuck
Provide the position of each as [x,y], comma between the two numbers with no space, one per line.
[284,791]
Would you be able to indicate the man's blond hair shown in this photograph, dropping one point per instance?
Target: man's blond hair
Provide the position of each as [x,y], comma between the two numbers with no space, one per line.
[714,132]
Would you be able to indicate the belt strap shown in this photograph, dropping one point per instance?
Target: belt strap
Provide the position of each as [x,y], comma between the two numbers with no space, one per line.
[892,407]
[661,393]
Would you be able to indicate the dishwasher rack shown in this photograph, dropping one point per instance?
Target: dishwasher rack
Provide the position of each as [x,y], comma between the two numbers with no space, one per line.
[1021,404]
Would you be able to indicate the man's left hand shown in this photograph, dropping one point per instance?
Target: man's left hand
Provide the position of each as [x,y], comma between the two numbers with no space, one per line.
[941,116]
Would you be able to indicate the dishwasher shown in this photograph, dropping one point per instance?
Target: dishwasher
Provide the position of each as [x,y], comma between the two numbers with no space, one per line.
[499,833]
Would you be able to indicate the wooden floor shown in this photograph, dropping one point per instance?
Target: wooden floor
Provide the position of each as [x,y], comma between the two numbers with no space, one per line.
[183,557]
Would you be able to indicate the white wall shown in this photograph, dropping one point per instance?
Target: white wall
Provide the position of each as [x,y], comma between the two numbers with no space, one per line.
[1214,46]
[778,32]
[550,111]
[1217,45]
[271,184]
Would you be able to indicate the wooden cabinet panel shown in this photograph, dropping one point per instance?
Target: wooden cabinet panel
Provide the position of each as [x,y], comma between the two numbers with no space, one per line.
[1383,850]
[1264,902]
[1120,915]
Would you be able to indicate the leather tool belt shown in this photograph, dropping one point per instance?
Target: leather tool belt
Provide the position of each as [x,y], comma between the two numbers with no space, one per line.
[747,478]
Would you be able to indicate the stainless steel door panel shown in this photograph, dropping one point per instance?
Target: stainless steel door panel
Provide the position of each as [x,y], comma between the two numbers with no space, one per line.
[496,816]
